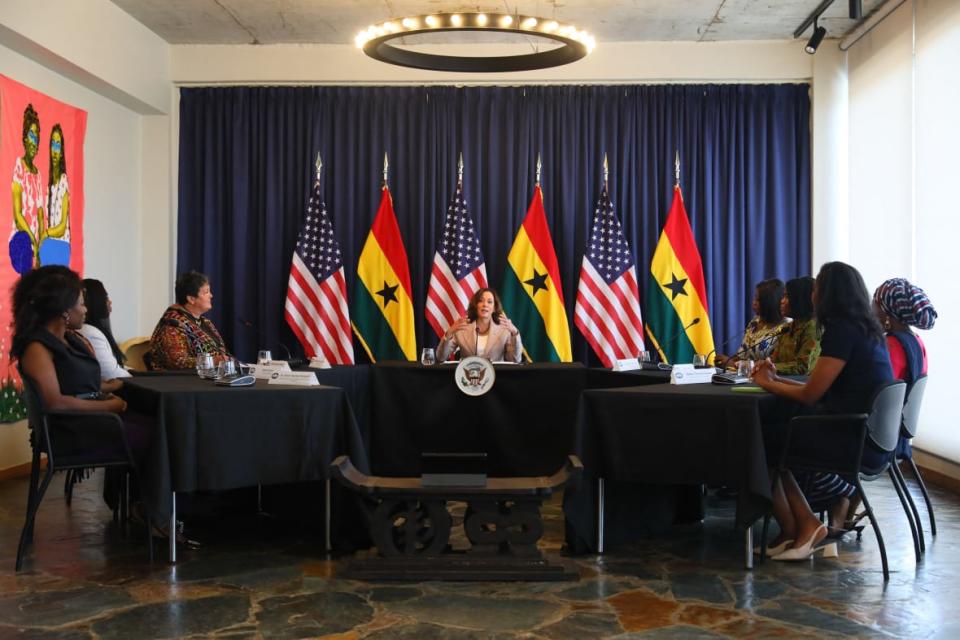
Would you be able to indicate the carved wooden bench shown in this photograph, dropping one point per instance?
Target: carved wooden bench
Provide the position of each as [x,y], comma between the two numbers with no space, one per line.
[411,527]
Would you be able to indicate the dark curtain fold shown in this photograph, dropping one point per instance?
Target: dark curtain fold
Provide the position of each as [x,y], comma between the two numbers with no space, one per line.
[247,158]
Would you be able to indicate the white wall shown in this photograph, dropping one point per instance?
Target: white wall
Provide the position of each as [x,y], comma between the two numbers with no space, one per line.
[93,56]
[903,143]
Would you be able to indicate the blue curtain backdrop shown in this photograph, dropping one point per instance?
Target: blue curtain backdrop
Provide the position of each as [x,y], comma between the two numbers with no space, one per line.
[247,163]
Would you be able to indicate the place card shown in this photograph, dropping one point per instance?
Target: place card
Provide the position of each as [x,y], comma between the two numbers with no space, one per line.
[626,364]
[266,371]
[689,374]
[319,363]
[295,378]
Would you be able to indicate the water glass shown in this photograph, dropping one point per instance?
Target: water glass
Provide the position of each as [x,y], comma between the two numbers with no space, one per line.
[428,356]
[227,369]
[699,360]
[645,357]
[744,368]
[205,366]
[264,357]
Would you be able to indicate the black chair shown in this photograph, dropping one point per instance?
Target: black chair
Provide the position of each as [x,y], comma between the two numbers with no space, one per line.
[72,441]
[908,430]
[804,450]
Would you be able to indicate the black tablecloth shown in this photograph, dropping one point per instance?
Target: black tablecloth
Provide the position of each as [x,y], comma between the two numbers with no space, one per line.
[209,437]
[669,434]
[525,423]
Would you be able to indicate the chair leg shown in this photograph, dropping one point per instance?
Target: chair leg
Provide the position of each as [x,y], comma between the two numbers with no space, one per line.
[913,505]
[906,511]
[763,537]
[68,486]
[926,496]
[27,534]
[876,529]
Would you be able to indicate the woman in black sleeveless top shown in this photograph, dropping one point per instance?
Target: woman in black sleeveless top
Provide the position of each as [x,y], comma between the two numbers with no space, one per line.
[47,311]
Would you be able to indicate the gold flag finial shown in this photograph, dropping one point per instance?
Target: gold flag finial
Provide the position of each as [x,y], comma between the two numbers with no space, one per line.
[460,170]
[386,166]
[539,168]
[606,169]
[319,165]
[676,169]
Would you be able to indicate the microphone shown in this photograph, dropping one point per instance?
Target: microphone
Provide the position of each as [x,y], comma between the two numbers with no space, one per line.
[782,330]
[293,362]
[724,343]
[671,339]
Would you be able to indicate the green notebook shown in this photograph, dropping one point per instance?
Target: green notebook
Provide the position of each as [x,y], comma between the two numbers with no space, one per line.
[747,388]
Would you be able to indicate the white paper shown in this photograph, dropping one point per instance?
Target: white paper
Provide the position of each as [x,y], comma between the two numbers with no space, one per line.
[294,378]
[626,364]
[266,371]
[688,374]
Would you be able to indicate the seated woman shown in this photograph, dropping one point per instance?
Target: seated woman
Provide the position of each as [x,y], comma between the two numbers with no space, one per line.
[48,310]
[484,332]
[763,330]
[183,332]
[853,364]
[900,305]
[797,349]
[96,329]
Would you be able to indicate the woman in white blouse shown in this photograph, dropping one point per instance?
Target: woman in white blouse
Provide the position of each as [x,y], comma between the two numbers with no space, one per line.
[485,331]
[96,329]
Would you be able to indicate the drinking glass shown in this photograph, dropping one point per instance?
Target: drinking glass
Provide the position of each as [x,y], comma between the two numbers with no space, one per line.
[744,368]
[645,357]
[264,357]
[227,369]
[205,366]
[428,356]
[699,360]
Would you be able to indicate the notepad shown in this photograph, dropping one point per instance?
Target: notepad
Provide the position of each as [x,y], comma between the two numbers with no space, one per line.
[747,388]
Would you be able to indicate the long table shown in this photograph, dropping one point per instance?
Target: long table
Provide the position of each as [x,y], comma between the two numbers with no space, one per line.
[211,438]
[668,434]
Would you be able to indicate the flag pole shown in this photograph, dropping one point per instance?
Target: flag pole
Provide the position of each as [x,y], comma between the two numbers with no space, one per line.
[676,169]
[539,168]
[460,171]
[386,166]
[319,166]
[606,171]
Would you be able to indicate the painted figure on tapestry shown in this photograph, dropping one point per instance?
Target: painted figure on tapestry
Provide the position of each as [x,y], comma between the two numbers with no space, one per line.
[28,200]
[55,242]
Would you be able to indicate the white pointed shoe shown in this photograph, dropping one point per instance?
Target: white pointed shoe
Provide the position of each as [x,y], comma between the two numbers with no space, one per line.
[774,551]
[811,546]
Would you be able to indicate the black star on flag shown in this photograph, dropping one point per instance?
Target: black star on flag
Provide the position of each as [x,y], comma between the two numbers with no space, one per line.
[676,286]
[538,281]
[388,293]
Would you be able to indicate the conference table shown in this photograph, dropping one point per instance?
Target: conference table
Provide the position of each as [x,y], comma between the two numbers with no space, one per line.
[627,427]
[212,438]
[669,434]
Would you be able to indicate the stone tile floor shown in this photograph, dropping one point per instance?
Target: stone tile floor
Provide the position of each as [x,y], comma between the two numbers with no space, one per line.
[265,578]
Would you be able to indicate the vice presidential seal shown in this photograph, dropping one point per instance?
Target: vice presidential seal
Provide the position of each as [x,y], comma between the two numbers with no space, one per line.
[475,376]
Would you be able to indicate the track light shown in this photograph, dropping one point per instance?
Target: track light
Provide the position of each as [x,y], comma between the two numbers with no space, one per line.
[815,40]
[856,9]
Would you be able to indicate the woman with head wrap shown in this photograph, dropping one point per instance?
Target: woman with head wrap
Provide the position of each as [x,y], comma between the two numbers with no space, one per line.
[900,305]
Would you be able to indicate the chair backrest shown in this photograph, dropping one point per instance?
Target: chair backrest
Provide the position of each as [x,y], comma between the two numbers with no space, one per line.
[134,350]
[32,399]
[883,423]
[911,408]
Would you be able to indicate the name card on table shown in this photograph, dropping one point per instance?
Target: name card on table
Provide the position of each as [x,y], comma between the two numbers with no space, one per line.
[688,374]
[266,371]
[319,363]
[295,378]
[626,364]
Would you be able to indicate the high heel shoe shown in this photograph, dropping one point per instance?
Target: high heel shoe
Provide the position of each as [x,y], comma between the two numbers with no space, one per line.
[811,546]
[774,551]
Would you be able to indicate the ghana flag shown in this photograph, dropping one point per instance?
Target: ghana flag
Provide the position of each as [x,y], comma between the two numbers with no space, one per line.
[532,294]
[676,295]
[382,314]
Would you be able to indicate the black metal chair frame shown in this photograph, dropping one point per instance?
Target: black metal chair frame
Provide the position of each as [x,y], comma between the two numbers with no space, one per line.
[908,429]
[880,429]
[44,425]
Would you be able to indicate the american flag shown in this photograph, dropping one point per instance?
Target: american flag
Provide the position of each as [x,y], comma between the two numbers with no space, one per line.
[458,267]
[316,307]
[607,311]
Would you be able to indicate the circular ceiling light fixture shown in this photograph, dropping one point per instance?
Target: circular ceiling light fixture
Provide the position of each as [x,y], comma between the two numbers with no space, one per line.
[375,42]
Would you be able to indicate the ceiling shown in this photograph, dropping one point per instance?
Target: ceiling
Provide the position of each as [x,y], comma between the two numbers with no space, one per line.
[327,22]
